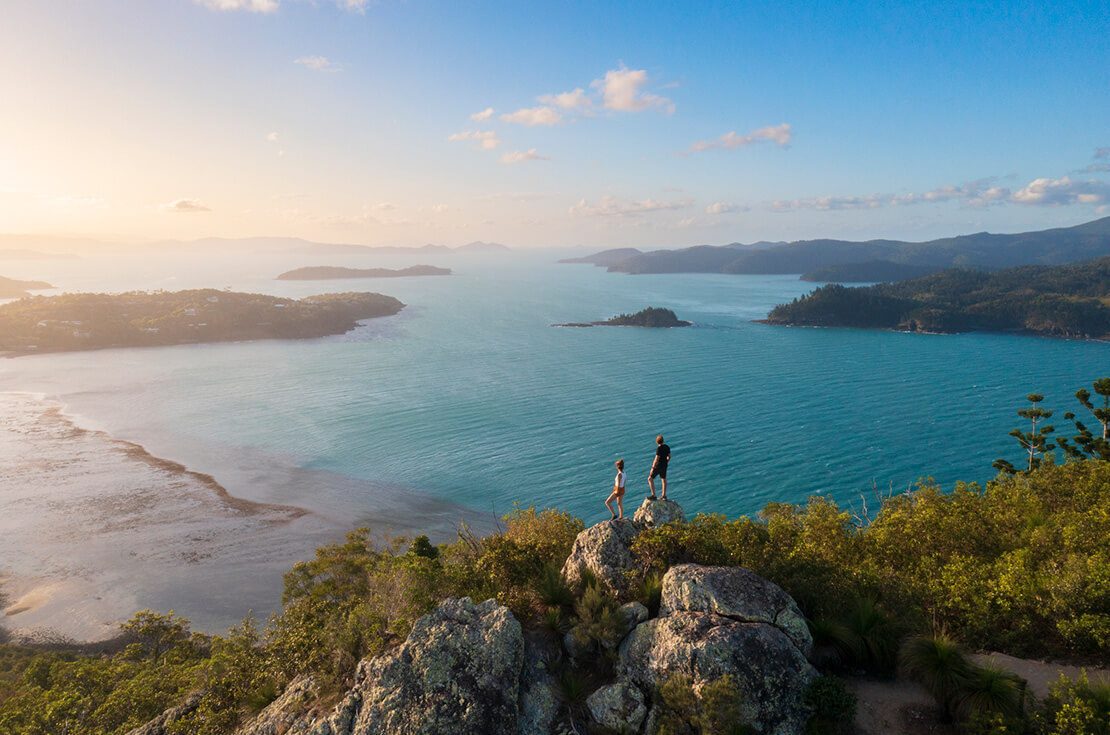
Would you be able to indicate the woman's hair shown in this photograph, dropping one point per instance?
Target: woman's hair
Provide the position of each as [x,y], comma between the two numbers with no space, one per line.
[620,464]
[659,439]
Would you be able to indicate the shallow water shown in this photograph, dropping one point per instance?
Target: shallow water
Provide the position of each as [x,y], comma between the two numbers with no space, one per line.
[469,396]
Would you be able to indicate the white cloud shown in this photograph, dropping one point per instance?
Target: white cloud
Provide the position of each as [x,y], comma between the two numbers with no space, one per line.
[251,6]
[1062,191]
[780,135]
[979,193]
[185,206]
[272,137]
[621,90]
[318,63]
[724,208]
[609,206]
[533,116]
[487,139]
[576,99]
[384,207]
[485,114]
[523,156]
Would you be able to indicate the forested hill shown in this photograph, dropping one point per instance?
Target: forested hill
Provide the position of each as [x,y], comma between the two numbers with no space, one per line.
[88,321]
[981,250]
[1057,301]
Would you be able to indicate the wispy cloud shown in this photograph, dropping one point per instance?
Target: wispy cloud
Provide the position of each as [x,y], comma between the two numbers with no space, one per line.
[486,139]
[272,137]
[780,135]
[533,116]
[319,63]
[523,156]
[978,193]
[622,90]
[717,208]
[1103,152]
[185,206]
[1062,191]
[250,6]
[576,99]
[485,114]
[609,206]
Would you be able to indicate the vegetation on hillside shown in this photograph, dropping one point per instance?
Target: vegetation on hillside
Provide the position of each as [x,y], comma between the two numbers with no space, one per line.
[982,250]
[1057,301]
[87,321]
[1019,566]
[11,288]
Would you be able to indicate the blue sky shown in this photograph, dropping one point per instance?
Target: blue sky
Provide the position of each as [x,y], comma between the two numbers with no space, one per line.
[680,123]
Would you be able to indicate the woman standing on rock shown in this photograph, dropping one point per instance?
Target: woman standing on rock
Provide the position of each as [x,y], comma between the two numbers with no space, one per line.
[618,493]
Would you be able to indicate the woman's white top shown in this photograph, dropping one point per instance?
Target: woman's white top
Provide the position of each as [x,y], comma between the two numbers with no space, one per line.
[619,481]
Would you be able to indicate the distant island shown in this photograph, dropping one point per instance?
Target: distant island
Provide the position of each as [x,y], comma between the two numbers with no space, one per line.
[10,288]
[1055,301]
[327,272]
[983,250]
[89,321]
[652,316]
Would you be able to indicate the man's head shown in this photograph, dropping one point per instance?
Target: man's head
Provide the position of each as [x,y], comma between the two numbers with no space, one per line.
[659,439]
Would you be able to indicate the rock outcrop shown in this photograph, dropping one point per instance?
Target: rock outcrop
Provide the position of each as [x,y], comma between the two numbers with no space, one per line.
[162,724]
[717,622]
[736,593]
[603,551]
[618,708]
[457,673]
[290,714]
[469,668]
[653,513]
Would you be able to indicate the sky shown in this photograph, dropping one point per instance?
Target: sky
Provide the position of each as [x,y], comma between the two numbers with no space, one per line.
[604,124]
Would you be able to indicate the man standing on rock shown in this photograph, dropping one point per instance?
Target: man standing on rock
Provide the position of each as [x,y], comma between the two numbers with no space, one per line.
[659,466]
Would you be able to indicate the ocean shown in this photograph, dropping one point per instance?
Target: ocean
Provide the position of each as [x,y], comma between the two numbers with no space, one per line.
[470,402]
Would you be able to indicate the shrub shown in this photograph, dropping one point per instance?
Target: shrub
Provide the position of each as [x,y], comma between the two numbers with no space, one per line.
[833,705]
[714,708]
[937,663]
[1075,707]
[599,620]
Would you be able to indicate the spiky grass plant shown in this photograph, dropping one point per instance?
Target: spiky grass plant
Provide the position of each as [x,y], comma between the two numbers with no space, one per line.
[937,663]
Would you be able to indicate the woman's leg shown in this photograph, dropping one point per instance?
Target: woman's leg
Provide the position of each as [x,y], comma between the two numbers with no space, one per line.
[609,503]
[620,504]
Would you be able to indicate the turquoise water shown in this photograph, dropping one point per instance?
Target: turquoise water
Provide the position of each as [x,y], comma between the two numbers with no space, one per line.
[471,396]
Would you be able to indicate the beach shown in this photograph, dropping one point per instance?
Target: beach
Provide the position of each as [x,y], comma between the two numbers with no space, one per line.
[95,528]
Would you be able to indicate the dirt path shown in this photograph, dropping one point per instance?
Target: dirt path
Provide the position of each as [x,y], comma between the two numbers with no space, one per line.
[902,707]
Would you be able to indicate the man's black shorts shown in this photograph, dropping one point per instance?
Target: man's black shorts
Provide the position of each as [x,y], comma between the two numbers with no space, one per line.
[660,471]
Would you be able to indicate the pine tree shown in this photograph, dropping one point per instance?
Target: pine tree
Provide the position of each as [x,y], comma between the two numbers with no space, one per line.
[1035,442]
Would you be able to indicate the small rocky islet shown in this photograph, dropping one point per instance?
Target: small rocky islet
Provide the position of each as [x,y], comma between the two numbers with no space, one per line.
[652,317]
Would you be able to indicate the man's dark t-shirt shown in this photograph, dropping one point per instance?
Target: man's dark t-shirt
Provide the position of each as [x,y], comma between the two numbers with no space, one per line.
[662,455]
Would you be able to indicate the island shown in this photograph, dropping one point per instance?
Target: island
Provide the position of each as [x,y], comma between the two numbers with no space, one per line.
[653,316]
[872,271]
[11,288]
[1054,301]
[89,321]
[981,250]
[327,272]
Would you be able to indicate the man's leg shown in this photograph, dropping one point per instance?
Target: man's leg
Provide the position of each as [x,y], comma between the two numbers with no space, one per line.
[664,480]
[651,484]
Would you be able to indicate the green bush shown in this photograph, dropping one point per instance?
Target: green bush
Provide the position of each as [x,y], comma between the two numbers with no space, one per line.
[833,705]
[713,708]
[1076,707]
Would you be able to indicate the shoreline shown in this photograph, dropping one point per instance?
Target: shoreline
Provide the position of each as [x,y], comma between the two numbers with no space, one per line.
[95,528]
[1008,332]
